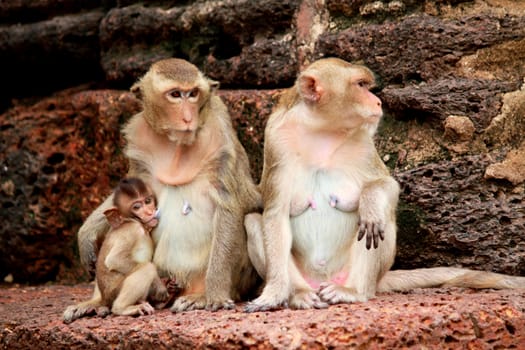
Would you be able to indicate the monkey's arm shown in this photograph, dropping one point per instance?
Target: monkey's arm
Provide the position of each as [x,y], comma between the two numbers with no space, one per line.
[93,231]
[226,246]
[120,257]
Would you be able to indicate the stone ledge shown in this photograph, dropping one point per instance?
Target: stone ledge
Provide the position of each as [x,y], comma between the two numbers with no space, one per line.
[436,318]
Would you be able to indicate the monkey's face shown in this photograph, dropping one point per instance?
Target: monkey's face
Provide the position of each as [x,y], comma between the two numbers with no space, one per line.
[173,102]
[362,103]
[145,209]
[182,112]
[339,93]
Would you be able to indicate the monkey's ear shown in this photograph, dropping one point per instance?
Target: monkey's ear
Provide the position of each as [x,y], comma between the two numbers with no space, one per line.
[136,89]
[114,218]
[214,85]
[310,88]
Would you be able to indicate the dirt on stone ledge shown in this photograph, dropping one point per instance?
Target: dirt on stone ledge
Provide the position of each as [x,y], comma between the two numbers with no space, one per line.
[30,317]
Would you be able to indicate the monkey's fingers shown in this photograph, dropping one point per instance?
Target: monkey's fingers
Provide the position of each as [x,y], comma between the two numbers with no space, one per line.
[361,230]
[92,264]
[145,309]
[334,294]
[307,299]
[369,237]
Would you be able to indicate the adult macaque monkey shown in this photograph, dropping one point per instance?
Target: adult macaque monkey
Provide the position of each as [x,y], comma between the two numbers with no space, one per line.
[183,143]
[324,189]
[125,274]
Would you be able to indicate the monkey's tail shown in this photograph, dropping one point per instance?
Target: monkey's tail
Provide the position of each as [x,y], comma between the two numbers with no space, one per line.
[402,280]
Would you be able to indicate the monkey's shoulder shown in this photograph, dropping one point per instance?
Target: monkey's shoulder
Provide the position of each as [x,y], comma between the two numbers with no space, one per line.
[130,231]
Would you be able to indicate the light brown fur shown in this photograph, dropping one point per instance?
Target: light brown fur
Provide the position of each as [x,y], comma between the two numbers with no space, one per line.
[125,274]
[183,144]
[328,231]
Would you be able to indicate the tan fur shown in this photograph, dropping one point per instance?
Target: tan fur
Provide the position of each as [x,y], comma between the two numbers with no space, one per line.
[205,168]
[125,274]
[328,231]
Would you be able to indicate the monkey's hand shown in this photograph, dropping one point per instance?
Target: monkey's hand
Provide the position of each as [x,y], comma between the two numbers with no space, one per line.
[373,231]
[91,263]
[173,287]
[306,299]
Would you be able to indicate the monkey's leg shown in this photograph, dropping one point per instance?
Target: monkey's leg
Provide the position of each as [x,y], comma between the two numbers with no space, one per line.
[302,296]
[253,225]
[135,289]
[228,241]
[85,308]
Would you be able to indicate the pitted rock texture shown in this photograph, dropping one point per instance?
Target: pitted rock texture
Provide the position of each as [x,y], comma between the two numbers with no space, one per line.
[30,317]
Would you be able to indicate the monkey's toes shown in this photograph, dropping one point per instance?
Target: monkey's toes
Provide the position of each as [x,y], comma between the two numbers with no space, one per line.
[227,304]
[260,305]
[188,303]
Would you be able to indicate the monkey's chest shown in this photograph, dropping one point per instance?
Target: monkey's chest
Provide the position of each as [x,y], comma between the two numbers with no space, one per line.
[332,189]
[323,217]
[184,234]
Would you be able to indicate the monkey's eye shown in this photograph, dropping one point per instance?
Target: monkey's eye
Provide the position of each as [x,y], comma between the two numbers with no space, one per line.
[175,94]
[194,92]
[364,84]
[136,206]
[148,200]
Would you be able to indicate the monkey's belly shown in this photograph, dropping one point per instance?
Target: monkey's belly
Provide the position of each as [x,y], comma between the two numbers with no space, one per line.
[324,223]
[184,234]
[322,237]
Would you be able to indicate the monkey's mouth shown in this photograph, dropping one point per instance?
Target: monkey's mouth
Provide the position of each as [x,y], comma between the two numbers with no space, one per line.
[154,221]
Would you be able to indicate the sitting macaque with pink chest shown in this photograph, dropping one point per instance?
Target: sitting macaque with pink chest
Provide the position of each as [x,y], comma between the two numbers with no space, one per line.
[327,234]
[125,274]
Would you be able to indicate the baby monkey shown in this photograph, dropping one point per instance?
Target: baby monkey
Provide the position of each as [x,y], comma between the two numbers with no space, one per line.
[125,275]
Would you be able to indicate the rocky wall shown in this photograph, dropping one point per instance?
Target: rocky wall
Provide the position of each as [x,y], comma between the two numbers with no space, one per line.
[450,75]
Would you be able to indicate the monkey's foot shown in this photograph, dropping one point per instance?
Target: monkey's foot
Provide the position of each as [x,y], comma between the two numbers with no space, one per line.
[189,302]
[264,303]
[74,312]
[336,294]
[306,299]
[219,303]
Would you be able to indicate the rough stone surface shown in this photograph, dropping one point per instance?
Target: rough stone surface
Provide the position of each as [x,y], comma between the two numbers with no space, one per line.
[511,169]
[479,223]
[435,101]
[30,317]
